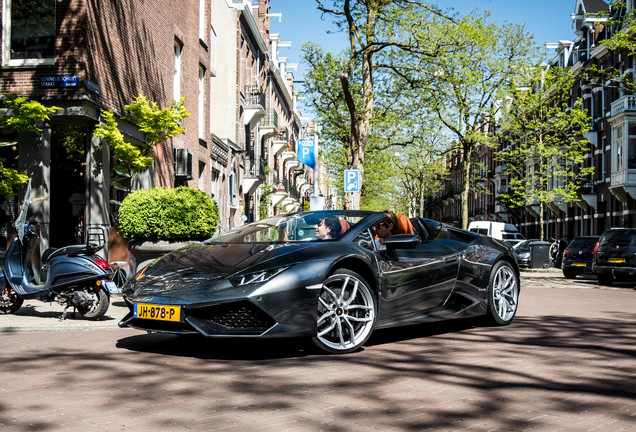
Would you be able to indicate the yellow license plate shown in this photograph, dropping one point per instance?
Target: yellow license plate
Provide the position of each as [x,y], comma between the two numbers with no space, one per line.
[578,264]
[157,312]
[617,260]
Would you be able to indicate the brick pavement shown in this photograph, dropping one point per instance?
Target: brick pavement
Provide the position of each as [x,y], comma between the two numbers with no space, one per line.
[568,362]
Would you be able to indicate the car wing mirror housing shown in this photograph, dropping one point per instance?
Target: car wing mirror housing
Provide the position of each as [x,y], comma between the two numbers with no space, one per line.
[401,241]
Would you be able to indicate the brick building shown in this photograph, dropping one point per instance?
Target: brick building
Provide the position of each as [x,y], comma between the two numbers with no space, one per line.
[85,56]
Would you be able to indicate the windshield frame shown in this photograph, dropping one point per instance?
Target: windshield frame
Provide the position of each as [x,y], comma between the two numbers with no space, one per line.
[290,228]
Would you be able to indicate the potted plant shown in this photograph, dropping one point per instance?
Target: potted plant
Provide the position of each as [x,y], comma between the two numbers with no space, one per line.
[160,220]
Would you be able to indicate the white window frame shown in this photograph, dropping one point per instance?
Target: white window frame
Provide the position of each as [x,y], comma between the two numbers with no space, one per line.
[6,43]
[201,103]
[176,78]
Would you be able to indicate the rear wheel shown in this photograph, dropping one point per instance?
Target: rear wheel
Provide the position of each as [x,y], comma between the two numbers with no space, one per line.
[9,300]
[605,280]
[568,275]
[98,305]
[503,294]
[346,313]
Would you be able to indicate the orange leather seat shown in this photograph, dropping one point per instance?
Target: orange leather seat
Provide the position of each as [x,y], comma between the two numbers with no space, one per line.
[404,225]
[345,226]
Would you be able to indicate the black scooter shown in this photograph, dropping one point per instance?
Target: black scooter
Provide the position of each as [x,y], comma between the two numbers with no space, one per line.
[75,276]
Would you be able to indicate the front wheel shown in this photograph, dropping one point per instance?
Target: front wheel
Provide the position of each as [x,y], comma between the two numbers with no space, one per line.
[346,313]
[503,294]
[9,300]
[97,306]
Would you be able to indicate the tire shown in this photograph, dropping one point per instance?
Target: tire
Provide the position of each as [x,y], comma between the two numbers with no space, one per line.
[9,300]
[568,275]
[503,294]
[604,280]
[346,313]
[99,305]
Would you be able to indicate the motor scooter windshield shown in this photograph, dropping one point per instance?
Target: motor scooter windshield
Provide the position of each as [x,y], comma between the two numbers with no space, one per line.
[20,222]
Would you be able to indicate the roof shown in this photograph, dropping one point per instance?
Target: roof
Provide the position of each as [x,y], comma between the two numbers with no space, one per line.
[593,6]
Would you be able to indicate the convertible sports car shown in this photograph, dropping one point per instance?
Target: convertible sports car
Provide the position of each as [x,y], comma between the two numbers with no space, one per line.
[274,278]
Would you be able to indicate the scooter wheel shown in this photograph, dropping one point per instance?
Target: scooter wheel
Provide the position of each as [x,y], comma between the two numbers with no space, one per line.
[98,306]
[9,300]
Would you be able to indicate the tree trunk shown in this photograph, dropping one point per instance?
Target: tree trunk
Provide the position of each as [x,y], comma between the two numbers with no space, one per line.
[467,168]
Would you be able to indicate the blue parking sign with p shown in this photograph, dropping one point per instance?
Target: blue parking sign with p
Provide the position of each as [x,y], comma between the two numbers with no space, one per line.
[352,180]
[307,153]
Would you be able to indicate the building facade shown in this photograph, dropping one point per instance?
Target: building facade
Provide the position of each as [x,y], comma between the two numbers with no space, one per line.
[608,199]
[239,142]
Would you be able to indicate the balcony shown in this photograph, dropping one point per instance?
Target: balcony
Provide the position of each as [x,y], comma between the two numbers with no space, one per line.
[254,105]
[254,173]
[626,103]
[269,124]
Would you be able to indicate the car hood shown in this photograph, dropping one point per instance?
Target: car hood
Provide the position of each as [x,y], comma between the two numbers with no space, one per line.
[198,270]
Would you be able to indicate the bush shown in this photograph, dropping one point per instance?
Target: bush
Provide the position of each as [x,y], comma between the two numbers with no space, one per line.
[161,213]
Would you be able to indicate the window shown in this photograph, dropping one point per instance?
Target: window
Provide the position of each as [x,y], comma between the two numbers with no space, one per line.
[201,106]
[618,145]
[631,147]
[214,185]
[28,32]
[176,79]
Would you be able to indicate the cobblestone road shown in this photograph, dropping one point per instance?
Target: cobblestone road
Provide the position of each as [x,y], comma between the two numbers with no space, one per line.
[568,362]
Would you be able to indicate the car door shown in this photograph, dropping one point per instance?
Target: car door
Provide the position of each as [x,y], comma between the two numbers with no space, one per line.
[419,280]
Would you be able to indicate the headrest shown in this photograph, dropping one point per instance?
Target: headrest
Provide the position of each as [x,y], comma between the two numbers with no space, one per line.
[345,226]
[404,225]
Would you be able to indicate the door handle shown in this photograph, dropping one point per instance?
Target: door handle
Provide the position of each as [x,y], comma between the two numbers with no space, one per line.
[450,260]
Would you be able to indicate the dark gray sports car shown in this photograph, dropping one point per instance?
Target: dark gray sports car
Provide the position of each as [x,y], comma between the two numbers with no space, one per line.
[275,278]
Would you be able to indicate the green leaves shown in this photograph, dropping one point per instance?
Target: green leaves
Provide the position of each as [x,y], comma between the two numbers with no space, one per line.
[161,213]
[23,115]
[158,125]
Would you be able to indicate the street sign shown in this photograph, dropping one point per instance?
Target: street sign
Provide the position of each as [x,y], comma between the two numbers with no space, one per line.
[307,152]
[352,181]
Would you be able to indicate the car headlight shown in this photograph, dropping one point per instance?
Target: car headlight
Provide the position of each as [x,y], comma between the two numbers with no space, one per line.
[257,277]
[524,255]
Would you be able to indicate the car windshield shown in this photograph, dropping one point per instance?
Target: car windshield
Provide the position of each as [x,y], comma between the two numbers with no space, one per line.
[583,243]
[619,238]
[299,227]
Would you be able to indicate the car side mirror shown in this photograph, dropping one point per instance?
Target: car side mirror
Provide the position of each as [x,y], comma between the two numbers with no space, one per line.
[401,241]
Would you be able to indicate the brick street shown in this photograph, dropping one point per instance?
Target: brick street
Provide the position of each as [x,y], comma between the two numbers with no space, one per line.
[567,362]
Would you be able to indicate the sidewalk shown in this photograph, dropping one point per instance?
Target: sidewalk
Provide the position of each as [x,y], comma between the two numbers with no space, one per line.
[39,316]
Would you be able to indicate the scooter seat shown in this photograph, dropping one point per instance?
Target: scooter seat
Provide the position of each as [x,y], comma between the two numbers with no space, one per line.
[51,253]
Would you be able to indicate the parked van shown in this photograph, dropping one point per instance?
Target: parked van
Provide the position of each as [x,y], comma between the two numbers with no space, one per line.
[498,230]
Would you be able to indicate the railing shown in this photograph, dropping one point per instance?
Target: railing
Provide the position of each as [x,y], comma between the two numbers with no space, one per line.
[254,95]
[254,167]
[626,103]
[271,119]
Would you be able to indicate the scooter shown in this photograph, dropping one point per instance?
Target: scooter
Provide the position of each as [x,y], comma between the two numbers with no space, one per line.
[75,276]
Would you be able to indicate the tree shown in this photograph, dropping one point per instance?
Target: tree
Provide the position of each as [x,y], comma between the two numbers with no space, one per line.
[545,155]
[158,126]
[422,171]
[465,81]
[23,116]
[373,28]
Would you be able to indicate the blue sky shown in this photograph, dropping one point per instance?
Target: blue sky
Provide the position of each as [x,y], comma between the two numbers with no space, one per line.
[547,20]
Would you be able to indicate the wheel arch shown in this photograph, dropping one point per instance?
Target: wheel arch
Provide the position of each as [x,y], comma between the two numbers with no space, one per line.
[513,263]
[359,266]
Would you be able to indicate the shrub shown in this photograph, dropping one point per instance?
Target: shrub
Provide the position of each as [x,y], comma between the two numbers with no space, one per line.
[161,213]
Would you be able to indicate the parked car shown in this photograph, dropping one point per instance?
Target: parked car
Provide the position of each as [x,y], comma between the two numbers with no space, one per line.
[275,278]
[498,230]
[615,256]
[523,252]
[577,256]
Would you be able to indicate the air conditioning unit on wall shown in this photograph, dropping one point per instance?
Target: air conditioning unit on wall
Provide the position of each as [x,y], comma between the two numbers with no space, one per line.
[182,164]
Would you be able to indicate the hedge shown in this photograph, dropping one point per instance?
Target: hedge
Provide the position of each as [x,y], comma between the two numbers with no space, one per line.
[162,213]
